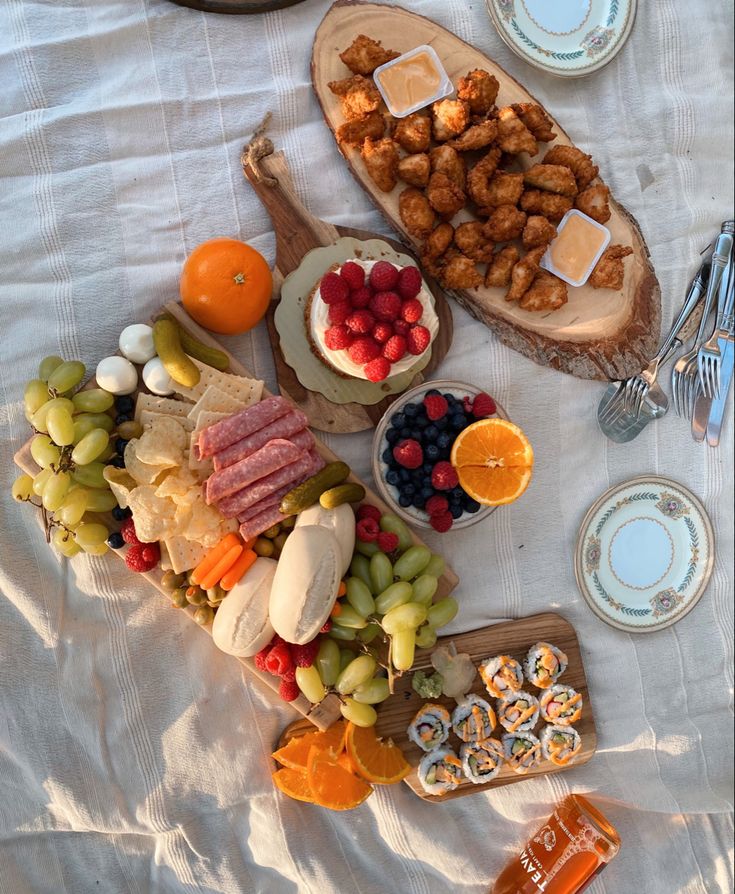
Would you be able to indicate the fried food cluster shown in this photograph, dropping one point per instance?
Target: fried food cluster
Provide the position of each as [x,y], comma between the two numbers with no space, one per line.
[476,190]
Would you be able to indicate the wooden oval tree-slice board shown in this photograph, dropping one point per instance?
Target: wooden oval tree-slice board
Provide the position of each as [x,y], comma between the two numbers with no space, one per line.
[508,638]
[237,7]
[600,333]
[297,232]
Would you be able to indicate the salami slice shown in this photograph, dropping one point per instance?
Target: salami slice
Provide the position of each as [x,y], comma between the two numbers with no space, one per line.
[289,476]
[268,503]
[272,456]
[303,439]
[261,522]
[220,435]
[283,427]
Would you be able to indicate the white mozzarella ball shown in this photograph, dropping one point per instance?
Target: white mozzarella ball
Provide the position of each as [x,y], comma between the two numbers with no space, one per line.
[136,343]
[116,375]
[157,379]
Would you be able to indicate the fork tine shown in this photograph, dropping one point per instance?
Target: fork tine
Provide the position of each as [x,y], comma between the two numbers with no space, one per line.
[612,407]
[675,390]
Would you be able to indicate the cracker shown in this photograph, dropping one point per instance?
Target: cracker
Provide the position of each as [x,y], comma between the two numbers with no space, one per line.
[167,405]
[216,400]
[246,391]
[184,554]
[207,418]
[148,417]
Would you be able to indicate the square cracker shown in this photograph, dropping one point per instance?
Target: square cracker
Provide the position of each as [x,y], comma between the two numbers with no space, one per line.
[166,405]
[184,554]
[207,418]
[246,391]
[148,417]
[217,401]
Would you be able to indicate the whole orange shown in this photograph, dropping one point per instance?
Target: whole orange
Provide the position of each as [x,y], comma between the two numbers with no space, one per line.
[226,286]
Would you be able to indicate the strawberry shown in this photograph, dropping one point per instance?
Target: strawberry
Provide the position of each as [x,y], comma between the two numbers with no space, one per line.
[377,369]
[409,282]
[353,275]
[333,288]
[395,348]
[418,339]
[383,276]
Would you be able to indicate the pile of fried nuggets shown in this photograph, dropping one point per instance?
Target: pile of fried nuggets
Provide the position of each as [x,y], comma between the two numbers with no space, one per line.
[511,205]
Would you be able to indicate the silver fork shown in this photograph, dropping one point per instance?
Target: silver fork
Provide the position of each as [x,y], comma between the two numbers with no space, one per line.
[709,360]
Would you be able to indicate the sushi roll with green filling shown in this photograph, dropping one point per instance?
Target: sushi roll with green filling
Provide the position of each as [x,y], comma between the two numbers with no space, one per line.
[519,712]
[561,705]
[473,719]
[501,675]
[522,751]
[481,761]
[560,744]
[440,771]
[544,665]
[430,726]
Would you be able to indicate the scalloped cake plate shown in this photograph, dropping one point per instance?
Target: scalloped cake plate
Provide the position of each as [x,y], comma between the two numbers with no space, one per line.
[645,554]
[566,38]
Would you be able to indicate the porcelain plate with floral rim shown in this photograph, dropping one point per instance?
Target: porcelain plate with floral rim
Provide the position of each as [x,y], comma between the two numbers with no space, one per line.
[568,38]
[645,554]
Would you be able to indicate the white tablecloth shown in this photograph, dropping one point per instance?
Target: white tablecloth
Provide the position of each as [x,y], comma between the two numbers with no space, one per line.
[133,756]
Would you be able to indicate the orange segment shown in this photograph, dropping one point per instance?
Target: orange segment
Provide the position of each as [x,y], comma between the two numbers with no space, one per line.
[332,785]
[375,760]
[293,783]
[295,753]
[332,739]
[494,461]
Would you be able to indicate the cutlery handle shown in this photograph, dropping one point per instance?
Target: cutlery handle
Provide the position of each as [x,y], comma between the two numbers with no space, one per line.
[728,318]
[696,290]
[720,260]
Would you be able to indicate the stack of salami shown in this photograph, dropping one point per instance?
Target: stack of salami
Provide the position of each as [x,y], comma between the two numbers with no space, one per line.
[259,455]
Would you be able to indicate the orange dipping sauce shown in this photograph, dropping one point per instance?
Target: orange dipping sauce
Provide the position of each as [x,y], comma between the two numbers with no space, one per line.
[574,249]
[410,82]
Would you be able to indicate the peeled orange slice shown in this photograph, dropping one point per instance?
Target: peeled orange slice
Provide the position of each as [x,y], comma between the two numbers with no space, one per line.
[293,783]
[375,760]
[494,461]
[332,785]
[295,753]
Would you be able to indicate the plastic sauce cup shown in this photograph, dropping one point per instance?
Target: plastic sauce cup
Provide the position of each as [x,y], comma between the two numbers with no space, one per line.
[412,81]
[576,248]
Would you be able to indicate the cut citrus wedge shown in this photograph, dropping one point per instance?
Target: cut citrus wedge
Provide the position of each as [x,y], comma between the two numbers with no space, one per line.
[494,461]
[332,785]
[295,753]
[376,761]
[293,783]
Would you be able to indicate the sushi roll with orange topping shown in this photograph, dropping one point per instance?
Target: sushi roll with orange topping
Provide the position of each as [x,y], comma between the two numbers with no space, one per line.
[561,705]
[473,719]
[430,726]
[501,675]
[522,752]
[544,665]
[519,712]
[440,771]
[481,761]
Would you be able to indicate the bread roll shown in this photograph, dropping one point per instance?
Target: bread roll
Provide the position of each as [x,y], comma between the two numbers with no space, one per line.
[340,521]
[242,626]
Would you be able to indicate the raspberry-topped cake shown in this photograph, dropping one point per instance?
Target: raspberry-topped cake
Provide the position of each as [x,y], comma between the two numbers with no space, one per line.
[370,319]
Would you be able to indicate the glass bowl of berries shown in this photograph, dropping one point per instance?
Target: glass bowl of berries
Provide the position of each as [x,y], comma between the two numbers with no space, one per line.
[412,448]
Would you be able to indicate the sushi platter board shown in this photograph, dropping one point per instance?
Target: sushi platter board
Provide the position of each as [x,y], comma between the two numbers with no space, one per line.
[508,638]
[297,233]
[325,713]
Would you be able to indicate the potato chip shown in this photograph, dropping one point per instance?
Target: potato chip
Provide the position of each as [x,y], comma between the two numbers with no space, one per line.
[169,406]
[204,523]
[246,391]
[177,482]
[121,483]
[183,554]
[143,473]
[154,516]
[163,443]
[217,401]
[148,417]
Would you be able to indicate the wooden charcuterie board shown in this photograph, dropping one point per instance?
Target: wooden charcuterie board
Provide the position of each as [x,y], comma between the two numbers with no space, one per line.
[508,638]
[237,7]
[325,713]
[600,333]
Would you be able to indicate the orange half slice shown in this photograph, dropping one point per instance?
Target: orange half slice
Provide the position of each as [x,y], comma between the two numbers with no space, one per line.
[494,461]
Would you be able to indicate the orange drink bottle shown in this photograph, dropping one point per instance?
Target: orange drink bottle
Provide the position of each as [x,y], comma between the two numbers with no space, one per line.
[568,851]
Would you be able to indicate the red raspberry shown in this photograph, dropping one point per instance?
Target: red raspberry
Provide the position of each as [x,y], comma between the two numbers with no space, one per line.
[361,297]
[387,541]
[437,505]
[151,553]
[338,337]
[395,348]
[409,282]
[377,369]
[367,530]
[140,558]
[363,350]
[368,511]
[401,327]
[289,690]
[289,676]
[353,275]
[412,310]
[305,655]
[444,476]
[436,406]
[441,522]
[418,339]
[279,660]
[333,288]
[467,404]
[382,332]
[327,626]
[386,306]
[360,322]
[127,529]
[383,276]
[339,312]
[408,454]
[261,657]
[483,405]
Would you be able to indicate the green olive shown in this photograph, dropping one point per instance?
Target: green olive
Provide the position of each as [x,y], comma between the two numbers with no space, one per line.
[196,595]
[178,598]
[272,532]
[215,595]
[288,522]
[263,547]
[204,615]
[172,581]
[280,541]
[130,429]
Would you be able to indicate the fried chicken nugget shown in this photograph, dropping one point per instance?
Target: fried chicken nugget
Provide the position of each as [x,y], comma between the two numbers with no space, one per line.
[549,204]
[501,266]
[523,274]
[448,161]
[450,118]
[593,202]
[505,223]
[480,175]
[513,135]
[538,231]
[479,89]
[444,196]
[415,169]
[413,132]
[536,120]
[471,240]
[381,160]
[358,96]
[552,178]
[505,188]
[416,213]
[364,55]
[610,271]
[477,136]
[459,272]
[577,161]
[438,241]
[355,132]
[547,292]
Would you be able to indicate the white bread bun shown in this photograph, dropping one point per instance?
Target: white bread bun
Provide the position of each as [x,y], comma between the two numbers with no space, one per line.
[306,583]
[340,521]
[242,625]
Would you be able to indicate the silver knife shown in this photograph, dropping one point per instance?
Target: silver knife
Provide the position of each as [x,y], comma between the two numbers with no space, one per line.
[726,344]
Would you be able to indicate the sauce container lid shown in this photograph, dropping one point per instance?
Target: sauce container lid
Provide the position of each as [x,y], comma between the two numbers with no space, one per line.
[445,87]
[548,264]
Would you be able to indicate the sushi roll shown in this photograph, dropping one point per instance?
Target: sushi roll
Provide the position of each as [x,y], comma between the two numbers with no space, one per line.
[522,751]
[501,675]
[561,705]
[474,719]
[544,665]
[481,761]
[440,771]
[430,726]
[560,744]
[519,712]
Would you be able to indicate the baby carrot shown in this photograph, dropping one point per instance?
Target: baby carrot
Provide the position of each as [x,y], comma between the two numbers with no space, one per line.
[231,577]
[225,563]
[336,610]
[213,556]
[342,588]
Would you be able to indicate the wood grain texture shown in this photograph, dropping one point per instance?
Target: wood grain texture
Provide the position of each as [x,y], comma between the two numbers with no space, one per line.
[237,7]
[599,334]
[325,713]
[509,638]
[297,232]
